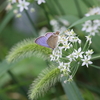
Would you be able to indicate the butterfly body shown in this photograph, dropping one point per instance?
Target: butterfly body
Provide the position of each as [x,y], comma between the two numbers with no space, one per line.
[49,40]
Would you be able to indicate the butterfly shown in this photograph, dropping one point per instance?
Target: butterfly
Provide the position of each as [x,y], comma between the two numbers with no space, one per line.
[49,40]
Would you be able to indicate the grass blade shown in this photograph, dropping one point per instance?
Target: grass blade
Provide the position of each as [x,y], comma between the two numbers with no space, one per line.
[71,90]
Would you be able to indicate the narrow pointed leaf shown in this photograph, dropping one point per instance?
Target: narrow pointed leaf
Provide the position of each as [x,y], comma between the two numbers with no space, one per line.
[71,90]
[5,21]
[85,19]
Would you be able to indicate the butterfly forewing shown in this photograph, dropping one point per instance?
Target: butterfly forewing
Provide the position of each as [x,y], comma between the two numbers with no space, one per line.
[42,41]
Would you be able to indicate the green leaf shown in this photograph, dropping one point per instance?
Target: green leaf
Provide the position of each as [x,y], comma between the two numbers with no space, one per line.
[27,48]
[5,21]
[44,81]
[85,19]
[4,66]
[71,90]
[95,44]
[3,6]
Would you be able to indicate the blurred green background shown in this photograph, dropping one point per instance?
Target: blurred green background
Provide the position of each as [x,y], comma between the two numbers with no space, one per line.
[15,78]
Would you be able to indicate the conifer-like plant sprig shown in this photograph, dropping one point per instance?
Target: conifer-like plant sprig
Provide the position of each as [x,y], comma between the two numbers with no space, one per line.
[27,48]
[44,81]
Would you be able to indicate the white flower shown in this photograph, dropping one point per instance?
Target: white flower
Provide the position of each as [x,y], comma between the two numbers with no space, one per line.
[88,39]
[67,46]
[92,26]
[15,11]
[93,11]
[62,66]
[70,33]
[65,81]
[65,22]
[23,5]
[78,53]
[86,25]
[71,57]
[56,54]
[70,78]
[18,15]
[52,58]
[89,52]
[8,7]
[40,1]
[86,61]
[32,10]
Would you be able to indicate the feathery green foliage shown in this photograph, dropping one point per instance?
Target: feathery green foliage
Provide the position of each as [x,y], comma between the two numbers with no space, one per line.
[27,48]
[44,81]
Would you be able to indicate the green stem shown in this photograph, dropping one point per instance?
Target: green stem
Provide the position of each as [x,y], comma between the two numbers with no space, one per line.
[78,8]
[54,7]
[35,29]
[47,15]
[95,57]
[51,8]
[85,45]
[16,81]
[59,6]
[75,69]
[95,66]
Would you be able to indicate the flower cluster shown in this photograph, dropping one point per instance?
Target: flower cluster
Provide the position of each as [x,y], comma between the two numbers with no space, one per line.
[60,26]
[92,26]
[70,54]
[21,6]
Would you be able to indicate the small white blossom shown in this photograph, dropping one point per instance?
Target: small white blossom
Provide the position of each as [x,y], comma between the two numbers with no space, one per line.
[67,46]
[15,11]
[89,53]
[23,5]
[70,78]
[56,54]
[70,33]
[65,22]
[40,1]
[88,39]
[78,53]
[86,61]
[8,7]
[65,81]
[57,26]
[92,26]
[18,15]
[61,64]
[32,10]
[71,57]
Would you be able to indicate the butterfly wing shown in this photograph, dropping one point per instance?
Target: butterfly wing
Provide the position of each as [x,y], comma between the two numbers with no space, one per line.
[52,40]
[42,41]
[49,34]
